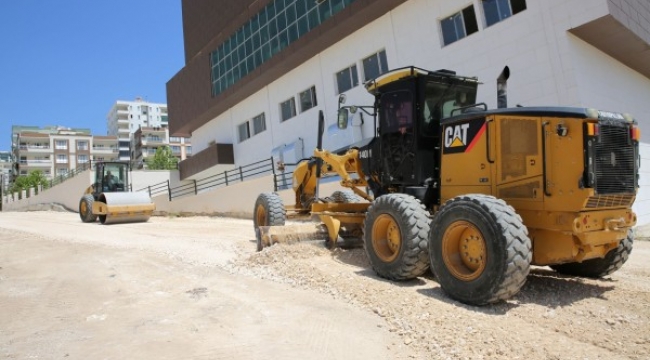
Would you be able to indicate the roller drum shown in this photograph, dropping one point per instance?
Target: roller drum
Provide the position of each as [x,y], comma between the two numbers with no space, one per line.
[126,207]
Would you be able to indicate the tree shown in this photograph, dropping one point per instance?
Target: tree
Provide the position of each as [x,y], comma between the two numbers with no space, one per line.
[32,180]
[163,159]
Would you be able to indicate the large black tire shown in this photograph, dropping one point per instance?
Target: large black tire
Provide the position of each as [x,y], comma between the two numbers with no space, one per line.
[86,209]
[597,268]
[346,197]
[480,249]
[395,237]
[269,211]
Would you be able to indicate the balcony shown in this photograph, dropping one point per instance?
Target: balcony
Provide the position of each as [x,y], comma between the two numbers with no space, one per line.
[217,154]
[98,150]
[36,148]
[30,164]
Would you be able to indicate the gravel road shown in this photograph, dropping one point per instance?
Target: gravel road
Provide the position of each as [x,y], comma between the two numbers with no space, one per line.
[194,288]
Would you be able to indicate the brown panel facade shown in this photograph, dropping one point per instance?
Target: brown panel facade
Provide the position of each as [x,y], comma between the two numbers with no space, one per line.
[189,92]
[216,154]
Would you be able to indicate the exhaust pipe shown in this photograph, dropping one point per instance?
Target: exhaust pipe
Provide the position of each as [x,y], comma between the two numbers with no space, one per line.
[502,88]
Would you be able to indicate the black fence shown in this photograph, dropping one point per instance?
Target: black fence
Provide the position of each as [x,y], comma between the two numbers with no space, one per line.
[282,180]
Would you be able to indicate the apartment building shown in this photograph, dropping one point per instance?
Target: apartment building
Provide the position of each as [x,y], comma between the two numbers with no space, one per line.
[257,72]
[126,117]
[6,166]
[58,150]
[146,140]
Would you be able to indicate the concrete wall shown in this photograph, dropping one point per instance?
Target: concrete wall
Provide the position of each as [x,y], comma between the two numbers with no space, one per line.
[68,193]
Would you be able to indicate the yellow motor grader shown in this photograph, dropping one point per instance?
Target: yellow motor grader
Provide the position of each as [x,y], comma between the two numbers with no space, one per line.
[109,197]
[478,195]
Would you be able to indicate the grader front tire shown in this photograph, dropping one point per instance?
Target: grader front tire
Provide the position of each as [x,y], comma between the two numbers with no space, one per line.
[395,237]
[269,211]
[480,250]
[597,268]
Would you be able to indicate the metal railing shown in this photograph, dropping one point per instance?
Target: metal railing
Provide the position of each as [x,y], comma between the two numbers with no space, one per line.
[226,178]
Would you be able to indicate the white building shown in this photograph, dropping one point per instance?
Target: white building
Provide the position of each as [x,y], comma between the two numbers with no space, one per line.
[126,117]
[585,53]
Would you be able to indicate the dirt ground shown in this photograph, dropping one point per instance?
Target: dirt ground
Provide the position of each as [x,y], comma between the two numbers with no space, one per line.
[195,288]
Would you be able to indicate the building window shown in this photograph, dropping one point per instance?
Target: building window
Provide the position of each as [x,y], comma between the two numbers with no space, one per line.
[61,171]
[81,159]
[61,144]
[266,33]
[188,149]
[188,140]
[174,139]
[347,78]
[176,150]
[259,124]
[497,10]
[61,159]
[459,25]
[308,99]
[288,109]
[244,131]
[82,145]
[374,65]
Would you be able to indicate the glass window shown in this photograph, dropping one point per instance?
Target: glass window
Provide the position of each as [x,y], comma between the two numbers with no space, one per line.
[188,149]
[497,10]
[458,25]
[308,99]
[347,78]
[259,124]
[61,159]
[82,145]
[288,109]
[175,149]
[82,159]
[276,26]
[61,144]
[244,131]
[374,65]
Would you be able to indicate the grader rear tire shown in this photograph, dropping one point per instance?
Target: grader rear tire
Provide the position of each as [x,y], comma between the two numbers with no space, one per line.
[597,268]
[269,211]
[86,209]
[395,237]
[480,249]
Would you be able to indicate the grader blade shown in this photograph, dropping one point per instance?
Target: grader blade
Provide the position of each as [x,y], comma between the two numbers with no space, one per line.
[270,235]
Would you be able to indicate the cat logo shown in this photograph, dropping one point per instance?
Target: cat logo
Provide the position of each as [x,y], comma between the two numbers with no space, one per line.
[460,138]
[456,135]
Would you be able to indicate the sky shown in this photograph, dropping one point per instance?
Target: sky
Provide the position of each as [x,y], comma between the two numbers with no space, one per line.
[66,62]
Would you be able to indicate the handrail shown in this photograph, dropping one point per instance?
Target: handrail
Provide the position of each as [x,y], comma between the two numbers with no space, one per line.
[226,178]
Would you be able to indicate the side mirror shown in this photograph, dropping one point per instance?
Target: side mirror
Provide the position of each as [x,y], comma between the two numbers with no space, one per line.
[342,122]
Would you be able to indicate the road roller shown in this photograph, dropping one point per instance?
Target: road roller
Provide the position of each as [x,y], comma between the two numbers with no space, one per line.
[110,200]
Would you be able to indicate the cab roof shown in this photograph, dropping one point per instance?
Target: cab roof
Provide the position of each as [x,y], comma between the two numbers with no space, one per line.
[372,86]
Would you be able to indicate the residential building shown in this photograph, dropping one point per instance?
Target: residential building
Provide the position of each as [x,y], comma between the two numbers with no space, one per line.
[6,166]
[146,140]
[57,150]
[126,117]
[257,72]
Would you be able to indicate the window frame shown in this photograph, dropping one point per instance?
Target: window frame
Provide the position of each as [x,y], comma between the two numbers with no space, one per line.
[254,120]
[382,62]
[520,6]
[292,109]
[312,100]
[353,78]
[240,127]
[463,22]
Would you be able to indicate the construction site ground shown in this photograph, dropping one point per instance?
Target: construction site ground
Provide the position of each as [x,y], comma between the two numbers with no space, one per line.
[195,288]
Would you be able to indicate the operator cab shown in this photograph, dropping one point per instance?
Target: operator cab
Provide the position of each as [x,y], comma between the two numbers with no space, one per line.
[410,103]
[111,177]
